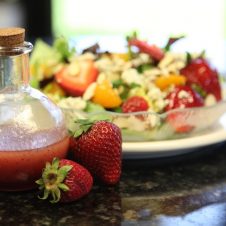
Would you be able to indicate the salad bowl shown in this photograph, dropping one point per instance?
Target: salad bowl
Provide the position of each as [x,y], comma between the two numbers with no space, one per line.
[151,126]
[150,93]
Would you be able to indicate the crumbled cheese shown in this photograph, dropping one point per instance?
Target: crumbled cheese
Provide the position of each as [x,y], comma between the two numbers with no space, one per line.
[165,71]
[145,57]
[152,73]
[167,59]
[183,94]
[142,58]
[172,69]
[115,65]
[210,100]
[104,64]
[132,76]
[179,64]
[154,92]
[160,104]
[157,97]
[110,76]
[172,63]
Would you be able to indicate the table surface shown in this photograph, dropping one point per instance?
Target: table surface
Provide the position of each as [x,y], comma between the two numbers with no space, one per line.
[183,190]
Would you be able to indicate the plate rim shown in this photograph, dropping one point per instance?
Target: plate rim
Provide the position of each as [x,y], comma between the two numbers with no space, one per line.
[214,135]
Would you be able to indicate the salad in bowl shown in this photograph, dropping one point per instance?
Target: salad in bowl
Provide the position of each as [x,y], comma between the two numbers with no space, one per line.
[151,93]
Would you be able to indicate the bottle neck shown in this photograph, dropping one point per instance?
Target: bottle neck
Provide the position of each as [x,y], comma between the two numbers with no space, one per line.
[14,67]
[14,71]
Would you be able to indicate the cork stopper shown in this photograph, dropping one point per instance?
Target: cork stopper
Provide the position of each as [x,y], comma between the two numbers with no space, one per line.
[11,37]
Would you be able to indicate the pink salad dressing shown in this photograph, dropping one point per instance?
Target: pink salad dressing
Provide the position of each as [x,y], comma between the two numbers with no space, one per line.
[21,168]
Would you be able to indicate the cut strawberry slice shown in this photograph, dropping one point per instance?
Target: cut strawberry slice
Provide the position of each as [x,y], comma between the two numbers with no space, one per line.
[199,72]
[182,97]
[76,77]
[155,52]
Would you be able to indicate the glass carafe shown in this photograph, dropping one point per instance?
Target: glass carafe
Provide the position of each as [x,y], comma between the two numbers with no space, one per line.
[32,128]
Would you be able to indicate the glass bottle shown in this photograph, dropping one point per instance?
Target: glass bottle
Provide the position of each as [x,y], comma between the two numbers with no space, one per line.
[32,128]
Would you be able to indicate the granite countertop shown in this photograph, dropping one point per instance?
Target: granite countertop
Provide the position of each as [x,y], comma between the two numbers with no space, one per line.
[183,190]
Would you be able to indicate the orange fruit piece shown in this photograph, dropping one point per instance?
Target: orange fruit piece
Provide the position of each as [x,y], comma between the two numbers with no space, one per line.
[106,96]
[164,82]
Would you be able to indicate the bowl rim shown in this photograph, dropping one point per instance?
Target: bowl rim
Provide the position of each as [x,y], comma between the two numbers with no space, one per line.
[161,115]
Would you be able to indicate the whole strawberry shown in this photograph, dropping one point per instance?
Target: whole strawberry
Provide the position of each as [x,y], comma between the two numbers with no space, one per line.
[65,181]
[135,104]
[199,72]
[98,147]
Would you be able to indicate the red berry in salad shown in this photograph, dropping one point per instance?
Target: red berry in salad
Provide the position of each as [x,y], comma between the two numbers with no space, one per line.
[65,181]
[135,104]
[155,52]
[98,147]
[183,97]
[199,72]
[75,77]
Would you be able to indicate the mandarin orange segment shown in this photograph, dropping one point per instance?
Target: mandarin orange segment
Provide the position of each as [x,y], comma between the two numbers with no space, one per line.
[164,82]
[106,96]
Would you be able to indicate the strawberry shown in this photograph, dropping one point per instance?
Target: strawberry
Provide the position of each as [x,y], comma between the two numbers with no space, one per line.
[182,97]
[65,181]
[98,146]
[75,77]
[199,72]
[152,50]
[135,104]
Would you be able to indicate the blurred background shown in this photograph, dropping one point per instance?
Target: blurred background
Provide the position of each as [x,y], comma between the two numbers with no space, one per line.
[85,22]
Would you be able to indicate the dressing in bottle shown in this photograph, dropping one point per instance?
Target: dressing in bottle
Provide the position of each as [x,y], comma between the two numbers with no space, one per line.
[32,128]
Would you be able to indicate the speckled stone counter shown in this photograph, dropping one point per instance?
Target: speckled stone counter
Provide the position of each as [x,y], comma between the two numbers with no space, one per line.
[184,190]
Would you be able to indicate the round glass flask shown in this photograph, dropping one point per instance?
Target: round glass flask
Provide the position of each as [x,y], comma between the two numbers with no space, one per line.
[32,128]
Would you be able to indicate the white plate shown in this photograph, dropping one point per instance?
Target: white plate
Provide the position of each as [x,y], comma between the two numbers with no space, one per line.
[165,148]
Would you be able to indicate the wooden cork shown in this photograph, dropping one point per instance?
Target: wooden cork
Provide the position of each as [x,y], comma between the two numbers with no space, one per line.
[11,37]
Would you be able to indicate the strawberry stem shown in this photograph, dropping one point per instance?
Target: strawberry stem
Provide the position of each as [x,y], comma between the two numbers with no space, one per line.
[52,180]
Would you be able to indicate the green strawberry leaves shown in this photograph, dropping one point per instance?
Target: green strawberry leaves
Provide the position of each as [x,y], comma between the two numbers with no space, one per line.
[83,125]
[52,180]
[189,56]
